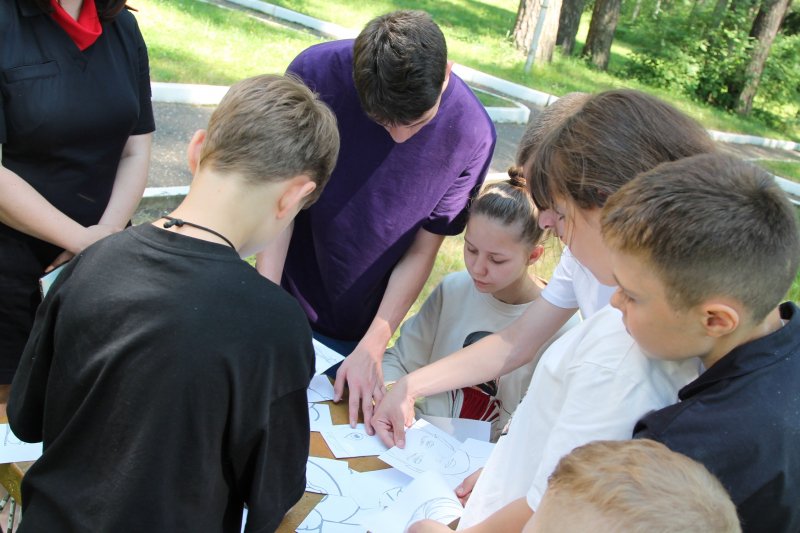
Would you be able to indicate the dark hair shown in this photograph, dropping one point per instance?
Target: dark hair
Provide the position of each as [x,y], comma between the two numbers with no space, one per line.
[546,121]
[710,225]
[509,203]
[106,9]
[272,128]
[399,64]
[613,137]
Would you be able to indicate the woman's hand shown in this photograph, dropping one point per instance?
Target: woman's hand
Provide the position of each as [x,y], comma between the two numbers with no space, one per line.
[86,238]
[393,414]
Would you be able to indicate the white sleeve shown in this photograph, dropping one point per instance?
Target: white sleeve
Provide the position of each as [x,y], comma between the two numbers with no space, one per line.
[600,404]
[415,343]
[560,290]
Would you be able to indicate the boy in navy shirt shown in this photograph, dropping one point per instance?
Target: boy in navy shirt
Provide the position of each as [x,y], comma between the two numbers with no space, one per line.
[703,250]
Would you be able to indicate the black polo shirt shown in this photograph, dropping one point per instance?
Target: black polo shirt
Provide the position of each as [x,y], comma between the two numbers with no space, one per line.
[65,115]
[741,419]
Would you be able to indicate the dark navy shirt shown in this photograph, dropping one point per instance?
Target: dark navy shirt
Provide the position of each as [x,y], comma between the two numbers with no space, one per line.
[741,419]
[65,115]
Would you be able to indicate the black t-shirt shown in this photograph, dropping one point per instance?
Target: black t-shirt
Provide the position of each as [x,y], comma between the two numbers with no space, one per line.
[65,115]
[168,380]
[741,419]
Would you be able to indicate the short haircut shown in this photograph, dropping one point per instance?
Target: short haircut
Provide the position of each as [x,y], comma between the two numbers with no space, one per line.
[709,225]
[399,64]
[640,486]
[614,136]
[548,120]
[272,128]
[509,203]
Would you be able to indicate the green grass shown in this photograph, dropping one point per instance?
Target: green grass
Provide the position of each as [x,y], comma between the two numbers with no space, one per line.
[785,169]
[193,42]
[491,100]
[476,33]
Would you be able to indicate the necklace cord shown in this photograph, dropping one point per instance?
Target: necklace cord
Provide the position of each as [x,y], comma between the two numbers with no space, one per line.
[172,221]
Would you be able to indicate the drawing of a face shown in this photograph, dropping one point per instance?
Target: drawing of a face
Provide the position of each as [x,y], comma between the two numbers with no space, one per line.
[354,436]
[457,464]
[443,510]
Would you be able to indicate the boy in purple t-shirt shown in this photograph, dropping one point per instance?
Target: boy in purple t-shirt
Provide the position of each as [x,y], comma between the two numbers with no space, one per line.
[415,147]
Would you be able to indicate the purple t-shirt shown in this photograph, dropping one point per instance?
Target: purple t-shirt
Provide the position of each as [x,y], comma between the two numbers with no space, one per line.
[381,193]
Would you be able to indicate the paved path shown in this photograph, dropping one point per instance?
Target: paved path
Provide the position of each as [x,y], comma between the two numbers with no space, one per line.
[176,123]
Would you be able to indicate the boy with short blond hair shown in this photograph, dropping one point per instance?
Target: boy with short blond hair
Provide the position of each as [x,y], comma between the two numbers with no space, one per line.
[704,249]
[637,486]
[166,377]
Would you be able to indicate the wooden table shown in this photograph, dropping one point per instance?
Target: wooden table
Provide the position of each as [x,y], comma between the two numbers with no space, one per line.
[318,447]
[11,474]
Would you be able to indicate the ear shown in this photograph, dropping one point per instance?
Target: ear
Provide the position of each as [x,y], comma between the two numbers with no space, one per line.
[296,190]
[536,254]
[447,69]
[193,152]
[719,319]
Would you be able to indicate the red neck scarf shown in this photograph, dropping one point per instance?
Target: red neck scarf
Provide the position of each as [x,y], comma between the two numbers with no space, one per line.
[84,31]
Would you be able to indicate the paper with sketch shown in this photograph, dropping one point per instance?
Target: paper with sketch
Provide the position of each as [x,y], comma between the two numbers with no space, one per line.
[328,476]
[345,441]
[428,496]
[461,428]
[335,514]
[319,416]
[46,281]
[320,389]
[13,450]
[325,357]
[429,449]
[378,489]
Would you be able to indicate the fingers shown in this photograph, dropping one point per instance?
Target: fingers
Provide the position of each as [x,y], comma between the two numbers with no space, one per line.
[367,407]
[338,385]
[399,430]
[355,399]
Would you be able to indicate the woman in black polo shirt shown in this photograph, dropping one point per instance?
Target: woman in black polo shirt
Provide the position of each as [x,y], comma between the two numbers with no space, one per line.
[75,131]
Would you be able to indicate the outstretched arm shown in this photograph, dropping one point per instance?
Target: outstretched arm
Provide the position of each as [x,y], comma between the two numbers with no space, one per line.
[487,359]
[362,369]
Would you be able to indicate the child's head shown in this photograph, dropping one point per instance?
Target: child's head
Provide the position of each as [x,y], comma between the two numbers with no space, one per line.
[635,486]
[611,138]
[400,68]
[503,236]
[546,121]
[271,128]
[703,249]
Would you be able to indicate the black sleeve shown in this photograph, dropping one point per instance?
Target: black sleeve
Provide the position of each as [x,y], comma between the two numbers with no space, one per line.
[146,122]
[277,480]
[28,389]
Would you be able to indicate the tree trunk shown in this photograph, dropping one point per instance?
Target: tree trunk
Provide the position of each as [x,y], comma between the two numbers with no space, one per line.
[718,14]
[568,22]
[636,8]
[764,30]
[525,26]
[601,32]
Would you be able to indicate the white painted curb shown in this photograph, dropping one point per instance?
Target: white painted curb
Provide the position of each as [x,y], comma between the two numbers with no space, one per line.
[473,76]
[184,93]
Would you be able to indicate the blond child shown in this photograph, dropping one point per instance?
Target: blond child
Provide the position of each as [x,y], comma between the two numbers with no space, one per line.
[637,486]
[166,377]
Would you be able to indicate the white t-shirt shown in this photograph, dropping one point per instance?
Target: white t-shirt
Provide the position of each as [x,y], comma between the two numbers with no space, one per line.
[573,285]
[453,311]
[591,384]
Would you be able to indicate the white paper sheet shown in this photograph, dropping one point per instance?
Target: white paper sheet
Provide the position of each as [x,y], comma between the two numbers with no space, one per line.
[428,496]
[430,449]
[378,489]
[319,416]
[13,450]
[345,441]
[325,357]
[335,514]
[461,428]
[328,476]
[320,389]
